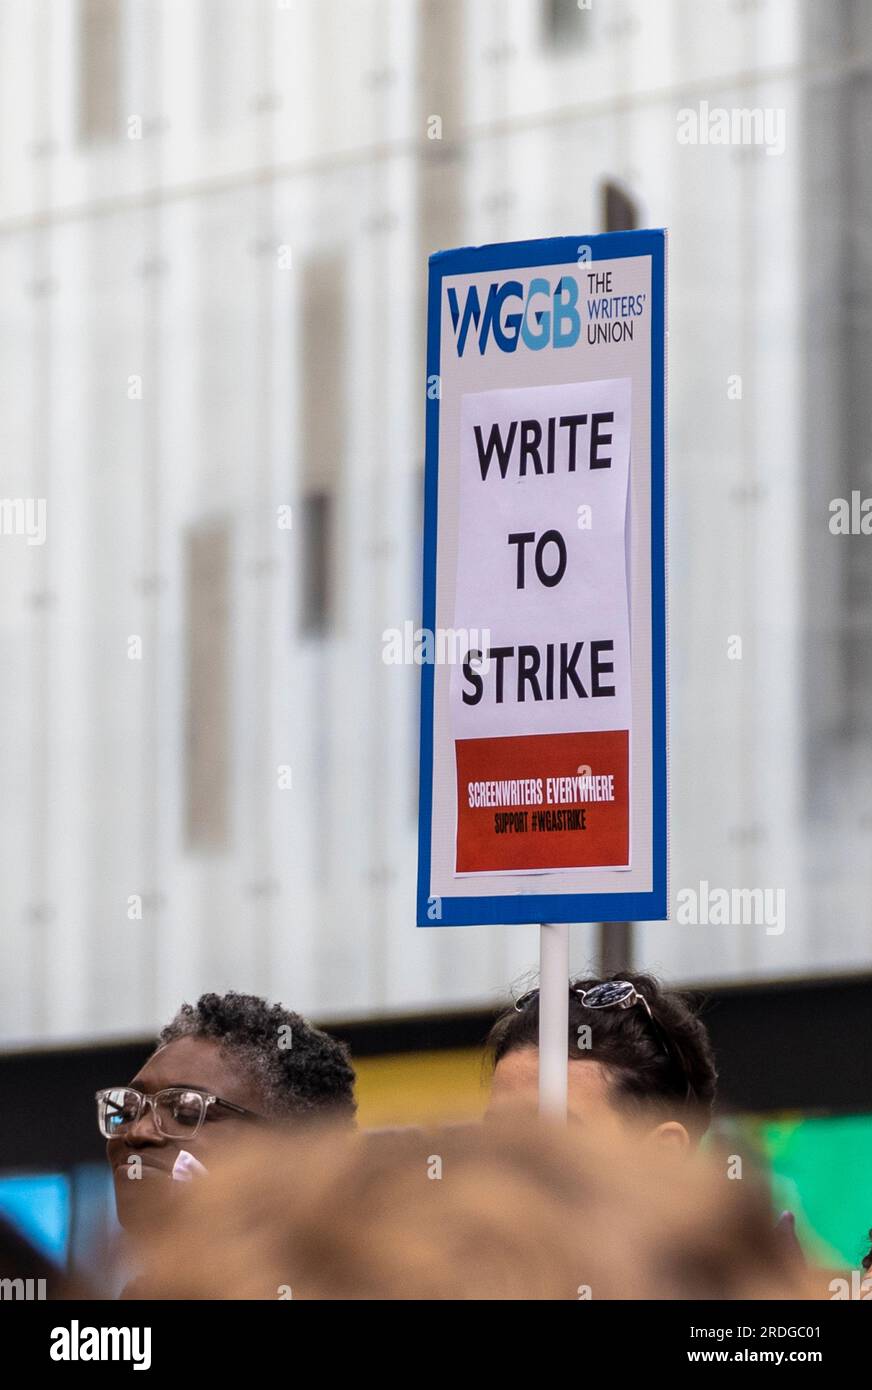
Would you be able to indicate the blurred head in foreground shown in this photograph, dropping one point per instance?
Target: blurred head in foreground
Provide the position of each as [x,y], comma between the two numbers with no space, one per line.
[638,1054]
[510,1210]
[224,1068]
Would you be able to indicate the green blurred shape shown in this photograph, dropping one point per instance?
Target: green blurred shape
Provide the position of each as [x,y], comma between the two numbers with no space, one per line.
[820,1168]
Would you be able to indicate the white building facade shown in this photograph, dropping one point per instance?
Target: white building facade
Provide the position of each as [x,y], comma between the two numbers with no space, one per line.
[214,227]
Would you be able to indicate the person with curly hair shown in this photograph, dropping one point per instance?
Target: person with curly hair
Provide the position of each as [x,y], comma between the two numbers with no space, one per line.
[226,1066]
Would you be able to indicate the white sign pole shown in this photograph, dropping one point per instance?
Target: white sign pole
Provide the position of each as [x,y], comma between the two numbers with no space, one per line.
[553,1018]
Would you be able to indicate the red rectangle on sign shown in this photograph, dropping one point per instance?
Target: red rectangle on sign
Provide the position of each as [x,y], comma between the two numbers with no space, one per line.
[543,801]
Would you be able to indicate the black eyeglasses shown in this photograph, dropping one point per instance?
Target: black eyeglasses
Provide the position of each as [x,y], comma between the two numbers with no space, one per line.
[618,994]
[178,1111]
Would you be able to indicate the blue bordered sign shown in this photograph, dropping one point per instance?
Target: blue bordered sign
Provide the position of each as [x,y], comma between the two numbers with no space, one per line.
[543,773]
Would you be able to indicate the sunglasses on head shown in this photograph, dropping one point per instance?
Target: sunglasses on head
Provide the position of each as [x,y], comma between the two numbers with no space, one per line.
[616,994]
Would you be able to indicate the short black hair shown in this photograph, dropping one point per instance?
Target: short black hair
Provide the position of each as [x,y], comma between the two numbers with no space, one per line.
[299,1069]
[643,1073]
[867,1259]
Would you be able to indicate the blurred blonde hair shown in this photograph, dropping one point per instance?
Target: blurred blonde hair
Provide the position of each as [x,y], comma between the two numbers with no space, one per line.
[506,1210]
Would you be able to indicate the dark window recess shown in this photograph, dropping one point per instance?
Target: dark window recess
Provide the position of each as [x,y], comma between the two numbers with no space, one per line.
[207,713]
[620,212]
[565,23]
[322,431]
[99,71]
[315,550]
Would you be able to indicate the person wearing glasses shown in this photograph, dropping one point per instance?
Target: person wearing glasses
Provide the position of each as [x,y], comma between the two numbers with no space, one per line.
[637,1053]
[223,1066]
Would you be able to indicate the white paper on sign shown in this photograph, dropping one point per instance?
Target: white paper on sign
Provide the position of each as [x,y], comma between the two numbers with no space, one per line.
[542,563]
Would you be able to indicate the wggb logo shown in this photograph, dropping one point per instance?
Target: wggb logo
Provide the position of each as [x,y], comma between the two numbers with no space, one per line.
[546,315]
